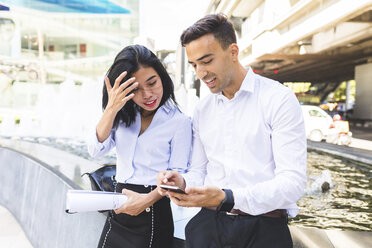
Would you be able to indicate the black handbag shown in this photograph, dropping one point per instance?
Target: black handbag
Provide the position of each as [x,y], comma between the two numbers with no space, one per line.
[103,179]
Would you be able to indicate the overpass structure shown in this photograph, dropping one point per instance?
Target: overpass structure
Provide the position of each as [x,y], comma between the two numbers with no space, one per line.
[324,42]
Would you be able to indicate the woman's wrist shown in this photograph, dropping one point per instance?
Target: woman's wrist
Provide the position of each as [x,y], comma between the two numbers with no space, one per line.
[154,196]
[183,186]
[110,111]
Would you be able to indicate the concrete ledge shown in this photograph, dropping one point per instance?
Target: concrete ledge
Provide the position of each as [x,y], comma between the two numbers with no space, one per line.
[35,195]
[347,152]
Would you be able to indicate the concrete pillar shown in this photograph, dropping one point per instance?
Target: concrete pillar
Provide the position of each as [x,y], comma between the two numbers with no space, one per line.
[348,101]
[363,99]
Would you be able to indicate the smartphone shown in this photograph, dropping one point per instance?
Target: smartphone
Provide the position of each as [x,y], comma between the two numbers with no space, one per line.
[172,188]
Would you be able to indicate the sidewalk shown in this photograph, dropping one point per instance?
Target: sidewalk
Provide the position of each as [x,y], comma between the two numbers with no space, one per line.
[361,132]
[11,233]
[361,144]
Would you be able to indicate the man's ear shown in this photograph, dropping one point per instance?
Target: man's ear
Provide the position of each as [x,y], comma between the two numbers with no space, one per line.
[234,51]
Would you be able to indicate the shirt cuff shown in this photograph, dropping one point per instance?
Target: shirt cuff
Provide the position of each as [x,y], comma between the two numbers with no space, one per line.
[243,202]
[101,145]
[240,201]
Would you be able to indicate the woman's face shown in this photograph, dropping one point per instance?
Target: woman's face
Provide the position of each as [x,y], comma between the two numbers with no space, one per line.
[149,92]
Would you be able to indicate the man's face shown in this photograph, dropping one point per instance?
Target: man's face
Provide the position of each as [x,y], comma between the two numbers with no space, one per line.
[212,64]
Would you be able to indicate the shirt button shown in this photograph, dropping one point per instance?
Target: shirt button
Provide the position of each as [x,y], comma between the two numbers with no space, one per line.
[148,210]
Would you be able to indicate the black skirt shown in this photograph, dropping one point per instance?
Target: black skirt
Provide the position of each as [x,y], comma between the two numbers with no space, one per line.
[151,228]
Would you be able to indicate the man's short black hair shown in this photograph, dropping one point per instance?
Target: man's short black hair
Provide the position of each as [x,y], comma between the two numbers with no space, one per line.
[216,24]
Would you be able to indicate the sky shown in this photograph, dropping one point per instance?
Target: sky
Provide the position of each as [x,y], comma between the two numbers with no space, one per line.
[164,20]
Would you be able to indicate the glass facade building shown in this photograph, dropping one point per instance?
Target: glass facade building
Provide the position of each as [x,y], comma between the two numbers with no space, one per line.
[55,52]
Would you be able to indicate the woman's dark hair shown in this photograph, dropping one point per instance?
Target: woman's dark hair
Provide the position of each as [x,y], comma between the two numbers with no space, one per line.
[130,59]
[216,24]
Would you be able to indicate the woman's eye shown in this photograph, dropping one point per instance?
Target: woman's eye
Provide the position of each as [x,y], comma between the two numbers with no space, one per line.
[153,83]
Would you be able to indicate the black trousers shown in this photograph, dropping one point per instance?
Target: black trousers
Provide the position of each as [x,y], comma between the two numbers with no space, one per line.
[148,229]
[209,229]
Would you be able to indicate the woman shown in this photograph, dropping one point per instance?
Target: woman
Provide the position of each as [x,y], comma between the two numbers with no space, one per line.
[143,122]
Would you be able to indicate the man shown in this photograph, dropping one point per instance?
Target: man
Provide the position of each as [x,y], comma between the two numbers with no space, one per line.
[249,148]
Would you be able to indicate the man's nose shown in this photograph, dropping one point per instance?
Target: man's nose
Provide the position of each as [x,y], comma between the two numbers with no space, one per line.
[200,72]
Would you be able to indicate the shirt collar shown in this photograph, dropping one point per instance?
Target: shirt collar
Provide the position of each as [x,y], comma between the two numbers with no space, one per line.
[247,84]
[248,81]
[168,105]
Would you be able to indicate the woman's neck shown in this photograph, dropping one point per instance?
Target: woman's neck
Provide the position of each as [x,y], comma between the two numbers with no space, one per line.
[147,114]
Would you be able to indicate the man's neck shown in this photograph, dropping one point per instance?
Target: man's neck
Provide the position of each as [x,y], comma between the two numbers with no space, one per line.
[237,80]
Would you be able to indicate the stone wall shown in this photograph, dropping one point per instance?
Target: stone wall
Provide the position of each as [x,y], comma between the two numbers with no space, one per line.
[35,194]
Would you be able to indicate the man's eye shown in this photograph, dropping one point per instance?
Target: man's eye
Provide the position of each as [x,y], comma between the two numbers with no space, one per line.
[207,62]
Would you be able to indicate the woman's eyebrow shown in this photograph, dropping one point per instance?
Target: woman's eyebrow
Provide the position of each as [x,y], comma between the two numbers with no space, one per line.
[150,78]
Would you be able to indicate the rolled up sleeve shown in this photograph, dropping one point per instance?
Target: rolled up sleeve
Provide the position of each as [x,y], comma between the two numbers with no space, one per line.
[97,149]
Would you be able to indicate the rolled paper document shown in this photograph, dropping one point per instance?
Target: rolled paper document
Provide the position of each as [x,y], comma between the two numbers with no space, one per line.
[87,200]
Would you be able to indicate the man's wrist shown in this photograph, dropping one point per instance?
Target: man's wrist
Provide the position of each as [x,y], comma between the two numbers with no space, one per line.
[228,203]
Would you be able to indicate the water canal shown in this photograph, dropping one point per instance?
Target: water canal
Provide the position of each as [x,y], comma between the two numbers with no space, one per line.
[345,206]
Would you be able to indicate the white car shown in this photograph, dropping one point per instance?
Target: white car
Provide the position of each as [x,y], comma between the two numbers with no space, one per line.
[317,122]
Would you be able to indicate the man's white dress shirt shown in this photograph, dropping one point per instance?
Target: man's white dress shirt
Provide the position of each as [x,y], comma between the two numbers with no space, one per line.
[253,144]
[165,145]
